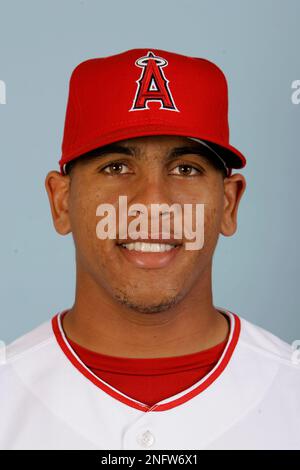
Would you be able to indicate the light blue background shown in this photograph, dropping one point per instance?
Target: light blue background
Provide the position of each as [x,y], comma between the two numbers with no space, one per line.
[255,42]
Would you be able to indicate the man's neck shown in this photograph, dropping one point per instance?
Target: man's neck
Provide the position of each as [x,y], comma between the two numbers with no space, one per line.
[101,324]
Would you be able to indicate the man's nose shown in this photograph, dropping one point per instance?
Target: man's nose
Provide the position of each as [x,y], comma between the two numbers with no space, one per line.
[152,189]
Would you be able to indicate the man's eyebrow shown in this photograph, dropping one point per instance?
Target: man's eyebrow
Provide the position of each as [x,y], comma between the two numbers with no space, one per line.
[110,149]
[186,150]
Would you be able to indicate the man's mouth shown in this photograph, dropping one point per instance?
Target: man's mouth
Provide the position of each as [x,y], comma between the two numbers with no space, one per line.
[150,253]
[149,247]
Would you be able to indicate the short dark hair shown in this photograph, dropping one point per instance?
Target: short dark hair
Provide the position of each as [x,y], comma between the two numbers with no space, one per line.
[206,153]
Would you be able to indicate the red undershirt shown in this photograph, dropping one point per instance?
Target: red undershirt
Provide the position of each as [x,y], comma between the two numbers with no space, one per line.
[150,380]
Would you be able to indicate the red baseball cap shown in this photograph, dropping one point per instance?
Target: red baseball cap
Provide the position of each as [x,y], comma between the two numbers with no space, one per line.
[143,92]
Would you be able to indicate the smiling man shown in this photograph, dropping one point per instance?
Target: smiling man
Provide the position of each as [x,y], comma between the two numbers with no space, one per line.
[119,280]
[144,359]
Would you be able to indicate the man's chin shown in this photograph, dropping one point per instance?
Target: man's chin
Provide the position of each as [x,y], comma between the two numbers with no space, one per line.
[151,306]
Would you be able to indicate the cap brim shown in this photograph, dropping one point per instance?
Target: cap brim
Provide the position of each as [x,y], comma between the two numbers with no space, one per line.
[232,156]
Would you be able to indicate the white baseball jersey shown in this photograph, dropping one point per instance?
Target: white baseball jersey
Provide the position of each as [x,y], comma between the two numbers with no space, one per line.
[250,400]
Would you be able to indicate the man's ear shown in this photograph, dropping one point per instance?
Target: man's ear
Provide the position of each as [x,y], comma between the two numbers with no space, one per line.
[57,187]
[234,187]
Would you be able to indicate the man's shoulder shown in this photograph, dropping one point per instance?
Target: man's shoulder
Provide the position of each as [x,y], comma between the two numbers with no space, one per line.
[29,344]
[268,347]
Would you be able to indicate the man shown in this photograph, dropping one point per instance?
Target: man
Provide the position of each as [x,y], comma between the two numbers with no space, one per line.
[143,359]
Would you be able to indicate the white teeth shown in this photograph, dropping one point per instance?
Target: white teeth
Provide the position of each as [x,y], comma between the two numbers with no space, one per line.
[148,247]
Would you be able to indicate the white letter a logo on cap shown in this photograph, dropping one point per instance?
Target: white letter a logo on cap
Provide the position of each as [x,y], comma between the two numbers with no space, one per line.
[152,84]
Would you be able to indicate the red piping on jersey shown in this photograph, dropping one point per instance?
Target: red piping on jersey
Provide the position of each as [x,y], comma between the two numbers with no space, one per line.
[235,327]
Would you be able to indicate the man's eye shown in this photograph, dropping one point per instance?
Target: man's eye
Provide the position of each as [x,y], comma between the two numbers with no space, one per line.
[186,170]
[116,168]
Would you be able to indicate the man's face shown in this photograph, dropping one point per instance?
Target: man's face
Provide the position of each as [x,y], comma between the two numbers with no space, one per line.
[148,170]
